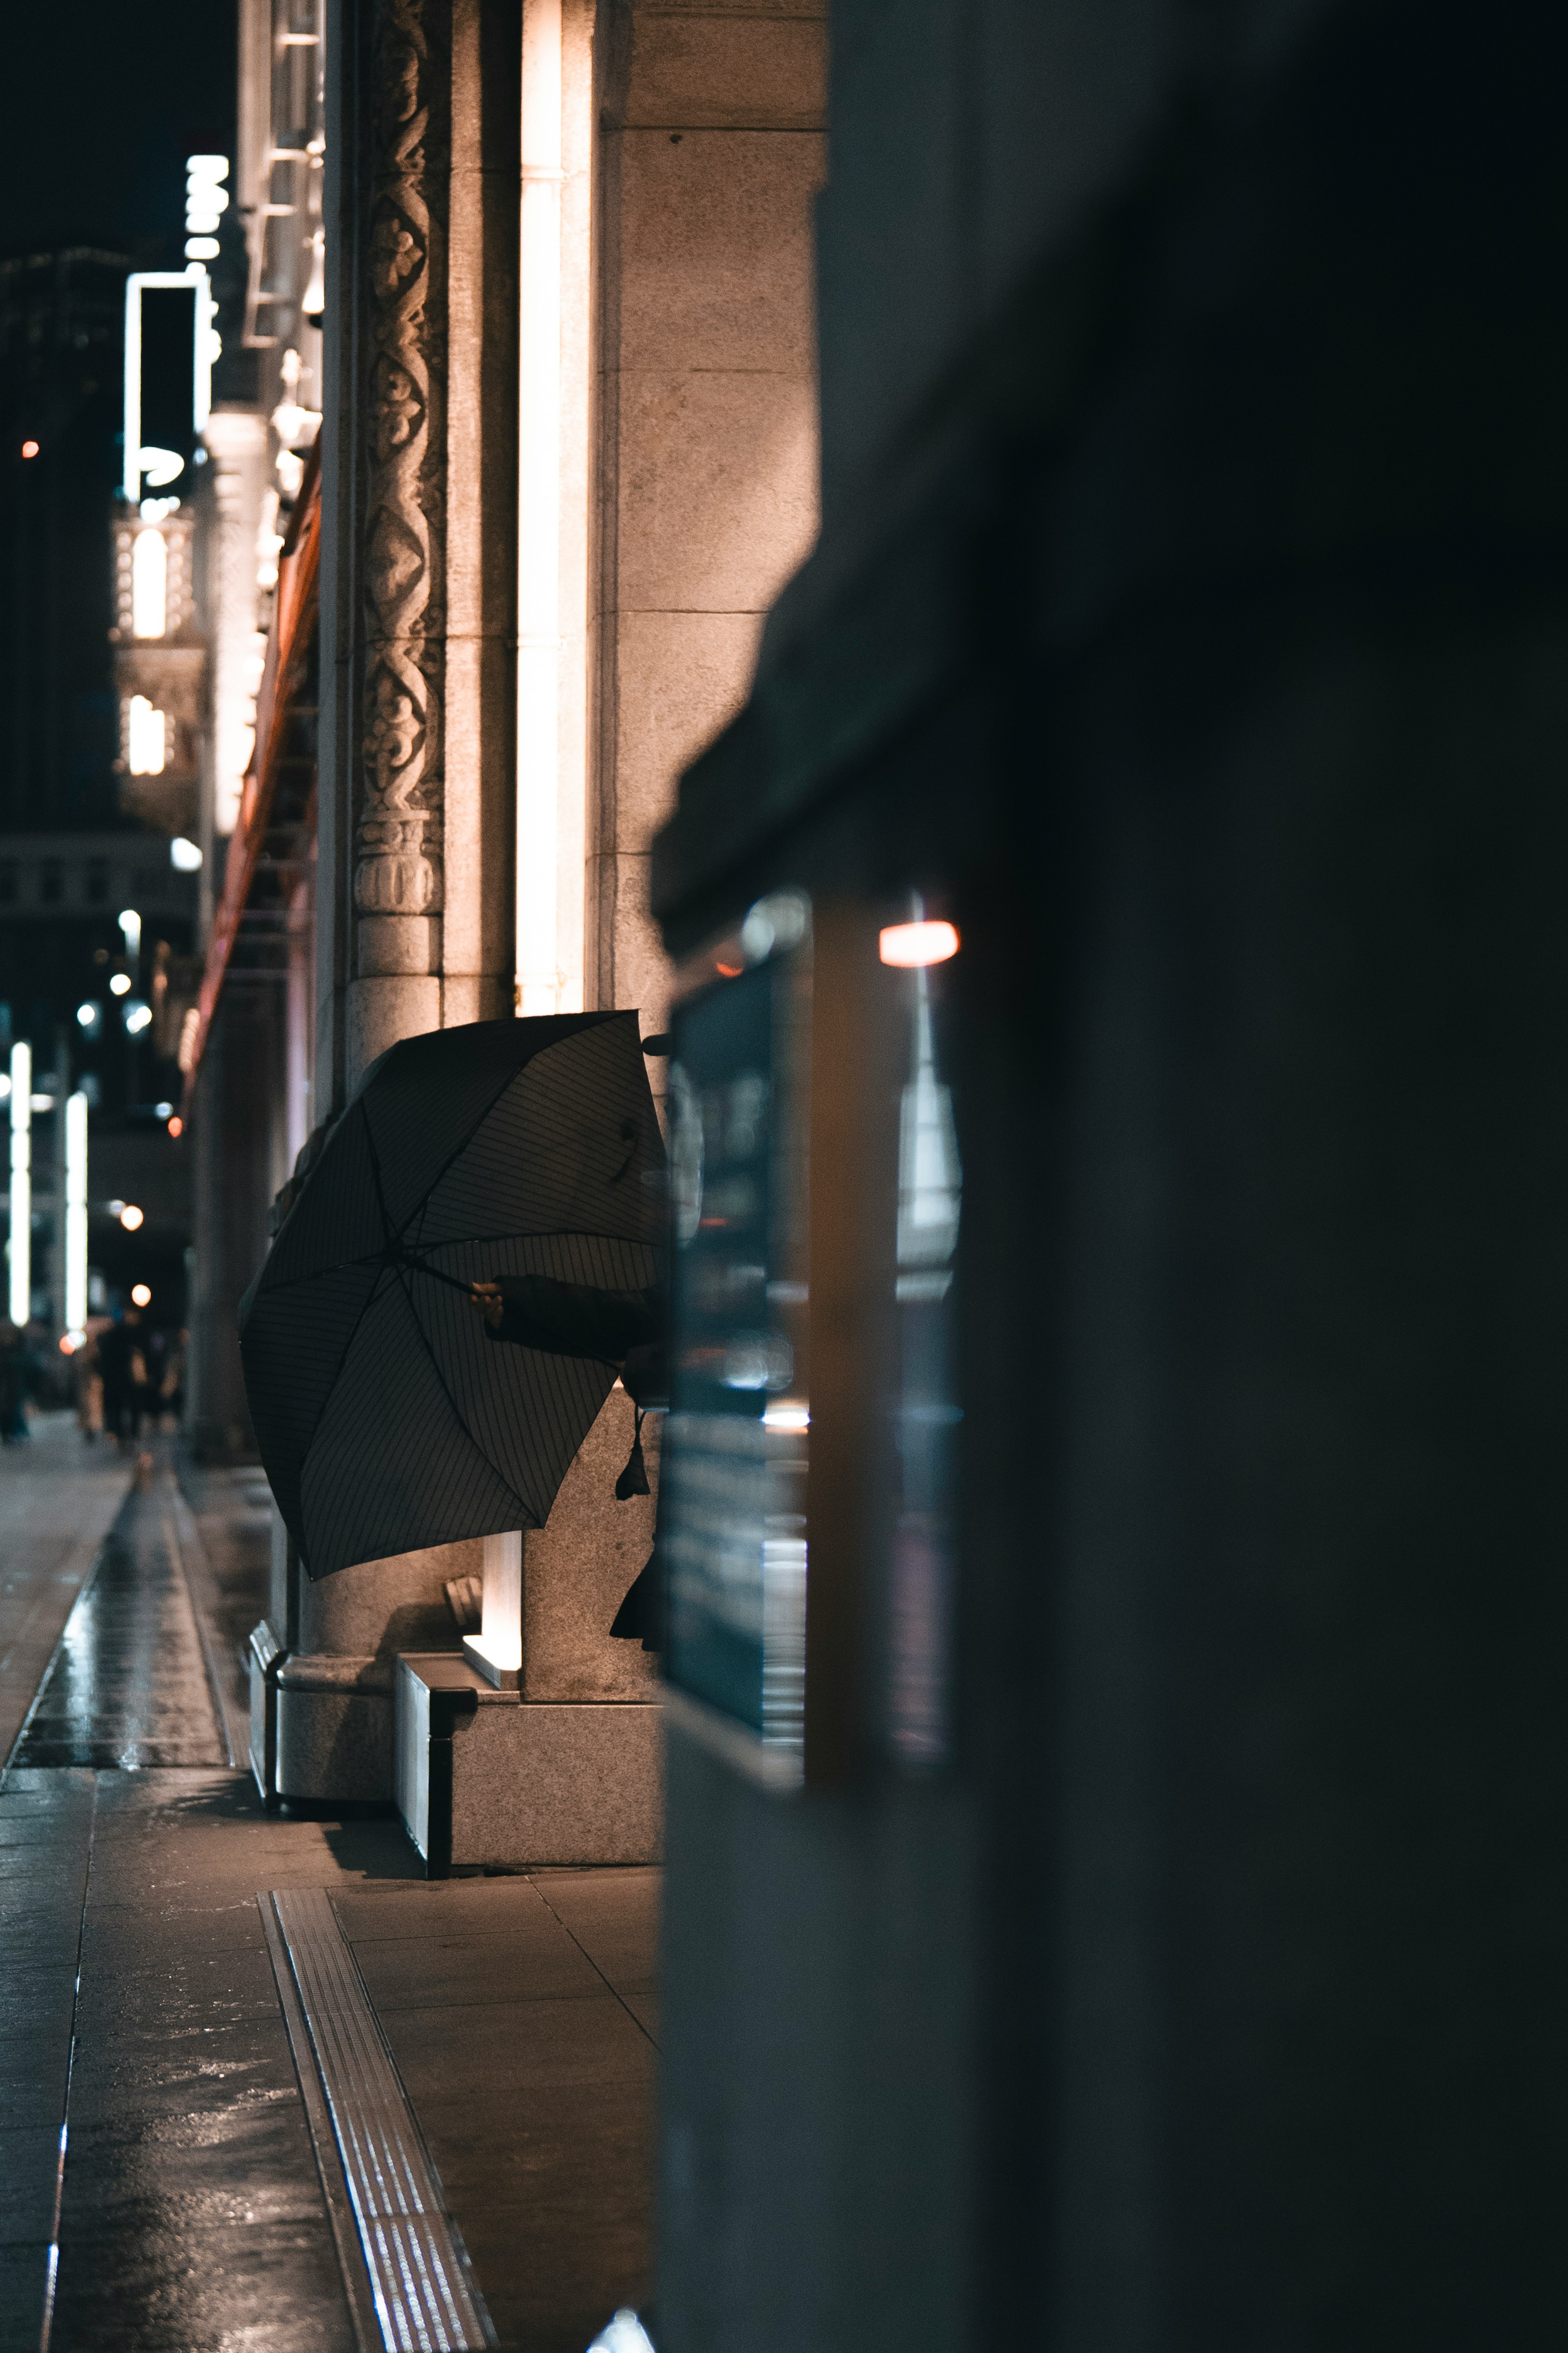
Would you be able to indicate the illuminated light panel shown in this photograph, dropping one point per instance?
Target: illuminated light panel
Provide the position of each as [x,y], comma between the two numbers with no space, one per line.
[147,747]
[913,944]
[205,345]
[76,1215]
[149,586]
[21,1250]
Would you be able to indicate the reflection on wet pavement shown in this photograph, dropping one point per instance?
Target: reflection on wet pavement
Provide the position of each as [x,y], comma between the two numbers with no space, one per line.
[130,1686]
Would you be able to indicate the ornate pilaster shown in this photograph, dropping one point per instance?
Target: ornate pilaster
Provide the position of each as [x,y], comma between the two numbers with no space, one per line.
[398,836]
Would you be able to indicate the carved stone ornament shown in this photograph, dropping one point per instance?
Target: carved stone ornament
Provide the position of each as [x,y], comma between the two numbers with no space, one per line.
[397,870]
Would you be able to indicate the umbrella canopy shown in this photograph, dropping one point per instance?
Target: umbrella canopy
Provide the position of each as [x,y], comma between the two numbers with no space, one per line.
[385,1420]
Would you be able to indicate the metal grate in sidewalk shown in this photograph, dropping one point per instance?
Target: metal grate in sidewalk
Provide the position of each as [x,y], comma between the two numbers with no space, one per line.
[426,2297]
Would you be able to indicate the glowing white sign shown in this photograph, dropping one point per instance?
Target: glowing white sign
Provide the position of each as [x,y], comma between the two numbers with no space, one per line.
[149,585]
[147,744]
[205,345]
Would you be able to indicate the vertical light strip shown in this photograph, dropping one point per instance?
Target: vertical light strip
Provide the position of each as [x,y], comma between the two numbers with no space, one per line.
[133,388]
[539,514]
[76,1215]
[21,1182]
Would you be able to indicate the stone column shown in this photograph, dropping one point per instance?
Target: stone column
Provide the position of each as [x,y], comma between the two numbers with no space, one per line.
[414,919]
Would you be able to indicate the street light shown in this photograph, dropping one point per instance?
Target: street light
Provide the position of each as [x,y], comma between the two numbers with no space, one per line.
[131,1217]
[21,1300]
[76,1218]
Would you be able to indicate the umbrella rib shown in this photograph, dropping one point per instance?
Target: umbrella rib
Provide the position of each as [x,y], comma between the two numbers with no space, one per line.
[457,1410]
[528,1234]
[589,1022]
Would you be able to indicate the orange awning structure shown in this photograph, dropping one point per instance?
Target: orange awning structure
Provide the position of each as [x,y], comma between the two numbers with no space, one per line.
[289,644]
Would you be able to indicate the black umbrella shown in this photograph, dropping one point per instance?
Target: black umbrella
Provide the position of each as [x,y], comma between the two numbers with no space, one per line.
[510,1148]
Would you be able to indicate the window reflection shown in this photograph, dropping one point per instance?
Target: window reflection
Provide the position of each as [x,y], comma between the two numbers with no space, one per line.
[925,1412]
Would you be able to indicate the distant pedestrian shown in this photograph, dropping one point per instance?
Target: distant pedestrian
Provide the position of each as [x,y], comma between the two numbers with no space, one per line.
[87,1379]
[16,1366]
[124,1365]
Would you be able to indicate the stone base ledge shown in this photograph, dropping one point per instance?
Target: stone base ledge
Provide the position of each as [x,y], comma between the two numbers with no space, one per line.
[488,1780]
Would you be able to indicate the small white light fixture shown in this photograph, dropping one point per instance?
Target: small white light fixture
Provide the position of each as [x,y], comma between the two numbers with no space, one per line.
[916,945]
[623,2334]
[89,1016]
[119,984]
[141,1294]
[164,1109]
[131,1217]
[185,856]
[138,1016]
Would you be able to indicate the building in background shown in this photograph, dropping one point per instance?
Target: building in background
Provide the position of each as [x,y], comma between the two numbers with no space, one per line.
[61,316]
[79,984]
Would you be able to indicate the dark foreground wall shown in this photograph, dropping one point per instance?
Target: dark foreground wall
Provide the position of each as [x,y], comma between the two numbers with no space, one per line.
[1198,631]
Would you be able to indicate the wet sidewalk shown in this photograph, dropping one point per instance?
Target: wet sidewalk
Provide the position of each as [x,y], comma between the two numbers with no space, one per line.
[171,2176]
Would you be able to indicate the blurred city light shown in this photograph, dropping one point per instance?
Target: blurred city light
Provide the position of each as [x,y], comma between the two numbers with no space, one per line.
[138,1016]
[917,944]
[89,1016]
[185,856]
[131,1217]
[21,1245]
[141,1295]
[76,1211]
[29,448]
[119,984]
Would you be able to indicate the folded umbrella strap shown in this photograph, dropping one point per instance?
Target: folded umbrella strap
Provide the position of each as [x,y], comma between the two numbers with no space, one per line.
[633,1480]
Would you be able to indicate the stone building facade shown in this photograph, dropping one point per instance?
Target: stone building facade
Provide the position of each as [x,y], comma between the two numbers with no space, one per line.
[567,459]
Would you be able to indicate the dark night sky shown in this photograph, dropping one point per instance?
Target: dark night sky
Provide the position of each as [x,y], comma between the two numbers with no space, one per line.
[104,104]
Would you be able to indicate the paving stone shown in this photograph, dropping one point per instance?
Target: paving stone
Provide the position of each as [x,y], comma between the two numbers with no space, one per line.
[494,2052]
[613,1915]
[273,2288]
[199,2169]
[29,2162]
[23,2270]
[416,1973]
